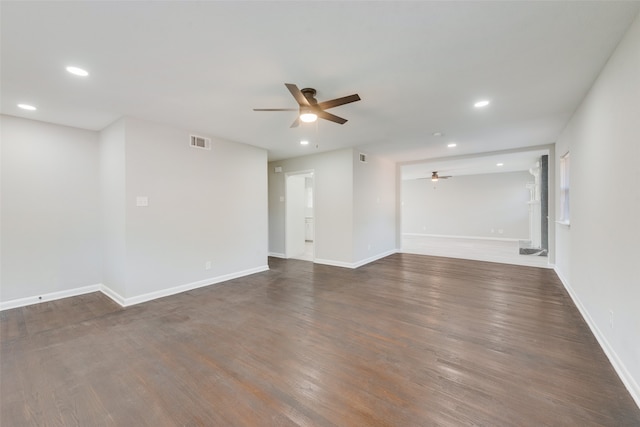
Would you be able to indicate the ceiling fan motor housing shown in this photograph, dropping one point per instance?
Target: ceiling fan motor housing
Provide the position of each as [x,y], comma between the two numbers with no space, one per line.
[310,94]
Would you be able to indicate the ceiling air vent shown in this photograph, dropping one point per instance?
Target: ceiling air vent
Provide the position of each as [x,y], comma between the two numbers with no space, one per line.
[363,158]
[200,142]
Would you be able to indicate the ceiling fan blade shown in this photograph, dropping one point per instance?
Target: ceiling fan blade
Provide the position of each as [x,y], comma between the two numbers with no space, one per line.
[275,109]
[295,123]
[297,94]
[330,117]
[339,101]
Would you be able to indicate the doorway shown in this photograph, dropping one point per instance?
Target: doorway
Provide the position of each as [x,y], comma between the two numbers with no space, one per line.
[489,210]
[300,216]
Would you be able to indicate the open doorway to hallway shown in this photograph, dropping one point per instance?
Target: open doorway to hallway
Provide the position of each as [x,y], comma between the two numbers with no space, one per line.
[300,218]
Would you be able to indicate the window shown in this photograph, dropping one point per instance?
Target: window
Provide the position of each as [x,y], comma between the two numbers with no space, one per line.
[564,189]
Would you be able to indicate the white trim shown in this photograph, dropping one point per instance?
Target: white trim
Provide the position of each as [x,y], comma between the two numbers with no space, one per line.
[524,260]
[277,255]
[355,264]
[190,286]
[116,297]
[333,263]
[52,296]
[505,239]
[126,302]
[628,380]
[375,258]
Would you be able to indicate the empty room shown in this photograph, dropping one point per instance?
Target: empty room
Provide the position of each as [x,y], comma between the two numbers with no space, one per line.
[308,213]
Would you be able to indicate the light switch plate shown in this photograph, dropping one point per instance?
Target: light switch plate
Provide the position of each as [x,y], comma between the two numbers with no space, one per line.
[142,201]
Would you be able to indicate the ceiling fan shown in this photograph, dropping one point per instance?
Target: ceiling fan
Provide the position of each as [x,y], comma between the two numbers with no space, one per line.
[310,109]
[435,177]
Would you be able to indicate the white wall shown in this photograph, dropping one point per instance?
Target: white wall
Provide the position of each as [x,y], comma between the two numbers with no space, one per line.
[112,193]
[333,178]
[204,206]
[50,209]
[374,207]
[354,209]
[308,206]
[468,205]
[70,220]
[597,257]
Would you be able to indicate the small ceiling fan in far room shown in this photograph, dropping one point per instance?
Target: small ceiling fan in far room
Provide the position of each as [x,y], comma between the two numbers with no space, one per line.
[435,177]
[310,109]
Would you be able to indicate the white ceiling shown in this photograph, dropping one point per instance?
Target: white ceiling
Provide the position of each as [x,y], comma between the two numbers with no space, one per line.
[475,164]
[418,67]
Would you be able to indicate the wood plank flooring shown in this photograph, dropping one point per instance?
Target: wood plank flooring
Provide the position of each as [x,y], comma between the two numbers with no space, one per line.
[408,340]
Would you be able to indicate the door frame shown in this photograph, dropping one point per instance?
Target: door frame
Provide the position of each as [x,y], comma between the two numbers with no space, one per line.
[286,198]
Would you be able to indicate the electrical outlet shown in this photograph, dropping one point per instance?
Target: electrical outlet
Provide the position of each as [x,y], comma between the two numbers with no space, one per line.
[500,231]
[207,265]
[368,247]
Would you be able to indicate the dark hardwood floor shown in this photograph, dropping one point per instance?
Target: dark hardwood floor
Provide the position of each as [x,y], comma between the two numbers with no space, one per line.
[408,340]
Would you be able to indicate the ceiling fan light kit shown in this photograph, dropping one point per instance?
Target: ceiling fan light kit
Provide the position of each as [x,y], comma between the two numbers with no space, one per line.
[308,116]
[310,109]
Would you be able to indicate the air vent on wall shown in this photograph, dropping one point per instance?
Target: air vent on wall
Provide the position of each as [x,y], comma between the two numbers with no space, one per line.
[200,142]
[363,158]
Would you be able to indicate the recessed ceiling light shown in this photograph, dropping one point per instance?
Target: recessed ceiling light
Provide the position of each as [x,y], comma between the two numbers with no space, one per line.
[481,104]
[78,71]
[304,142]
[438,134]
[499,164]
[452,144]
[27,107]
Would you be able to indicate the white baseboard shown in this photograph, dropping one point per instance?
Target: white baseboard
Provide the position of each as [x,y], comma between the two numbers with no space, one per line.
[524,262]
[333,263]
[127,302]
[502,239]
[116,297]
[51,296]
[375,258]
[625,376]
[354,264]
[277,255]
[190,286]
